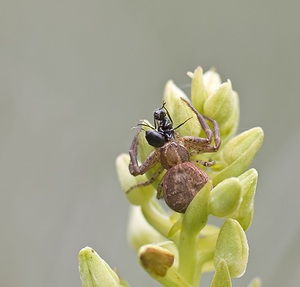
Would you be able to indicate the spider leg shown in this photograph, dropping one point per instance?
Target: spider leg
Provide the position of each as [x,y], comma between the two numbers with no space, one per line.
[216,131]
[202,145]
[136,169]
[202,122]
[199,145]
[149,181]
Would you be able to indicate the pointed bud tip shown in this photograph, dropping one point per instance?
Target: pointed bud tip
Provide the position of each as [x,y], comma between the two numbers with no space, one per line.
[94,271]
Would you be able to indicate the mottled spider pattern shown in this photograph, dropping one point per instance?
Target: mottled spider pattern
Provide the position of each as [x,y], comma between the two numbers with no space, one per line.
[183,179]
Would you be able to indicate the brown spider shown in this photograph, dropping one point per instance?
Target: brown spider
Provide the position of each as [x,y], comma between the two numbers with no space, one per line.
[183,179]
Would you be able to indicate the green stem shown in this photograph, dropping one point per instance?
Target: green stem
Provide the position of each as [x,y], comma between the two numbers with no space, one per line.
[188,257]
[194,220]
[158,218]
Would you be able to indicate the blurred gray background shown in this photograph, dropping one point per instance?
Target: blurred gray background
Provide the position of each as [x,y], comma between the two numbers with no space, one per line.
[77,75]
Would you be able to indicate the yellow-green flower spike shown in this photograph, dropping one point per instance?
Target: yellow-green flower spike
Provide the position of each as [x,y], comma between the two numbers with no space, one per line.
[177,248]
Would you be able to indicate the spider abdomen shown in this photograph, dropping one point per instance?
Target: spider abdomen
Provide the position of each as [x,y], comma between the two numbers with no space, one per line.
[181,183]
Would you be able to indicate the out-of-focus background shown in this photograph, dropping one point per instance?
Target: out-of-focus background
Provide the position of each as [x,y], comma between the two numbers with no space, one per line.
[77,75]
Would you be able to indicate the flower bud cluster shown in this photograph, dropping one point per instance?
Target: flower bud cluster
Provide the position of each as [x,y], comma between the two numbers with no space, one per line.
[176,249]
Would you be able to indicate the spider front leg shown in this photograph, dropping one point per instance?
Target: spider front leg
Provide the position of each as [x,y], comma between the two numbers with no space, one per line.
[202,121]
[136,169]
[216,132]
[202,145]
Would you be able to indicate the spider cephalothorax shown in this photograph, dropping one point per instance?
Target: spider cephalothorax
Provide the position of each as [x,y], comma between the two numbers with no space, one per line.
[183,179]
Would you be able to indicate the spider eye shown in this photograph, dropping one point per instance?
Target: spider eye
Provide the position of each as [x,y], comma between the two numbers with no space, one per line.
[155,138]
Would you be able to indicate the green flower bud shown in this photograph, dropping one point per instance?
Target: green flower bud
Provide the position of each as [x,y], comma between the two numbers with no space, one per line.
[173,96]
[222,276]
[94,271]
[195,248]
[158,261]
[198,93]
[155,259]
[246,220]
[136,196]
[225,197]
[232,246]
[239,152]
[245,211]
[212,81]
[219,105]
[241,144]
[140,232]
[229,128]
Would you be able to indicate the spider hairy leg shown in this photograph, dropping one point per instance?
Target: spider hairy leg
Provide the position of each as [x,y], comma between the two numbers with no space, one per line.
[149,181]
[136,169]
